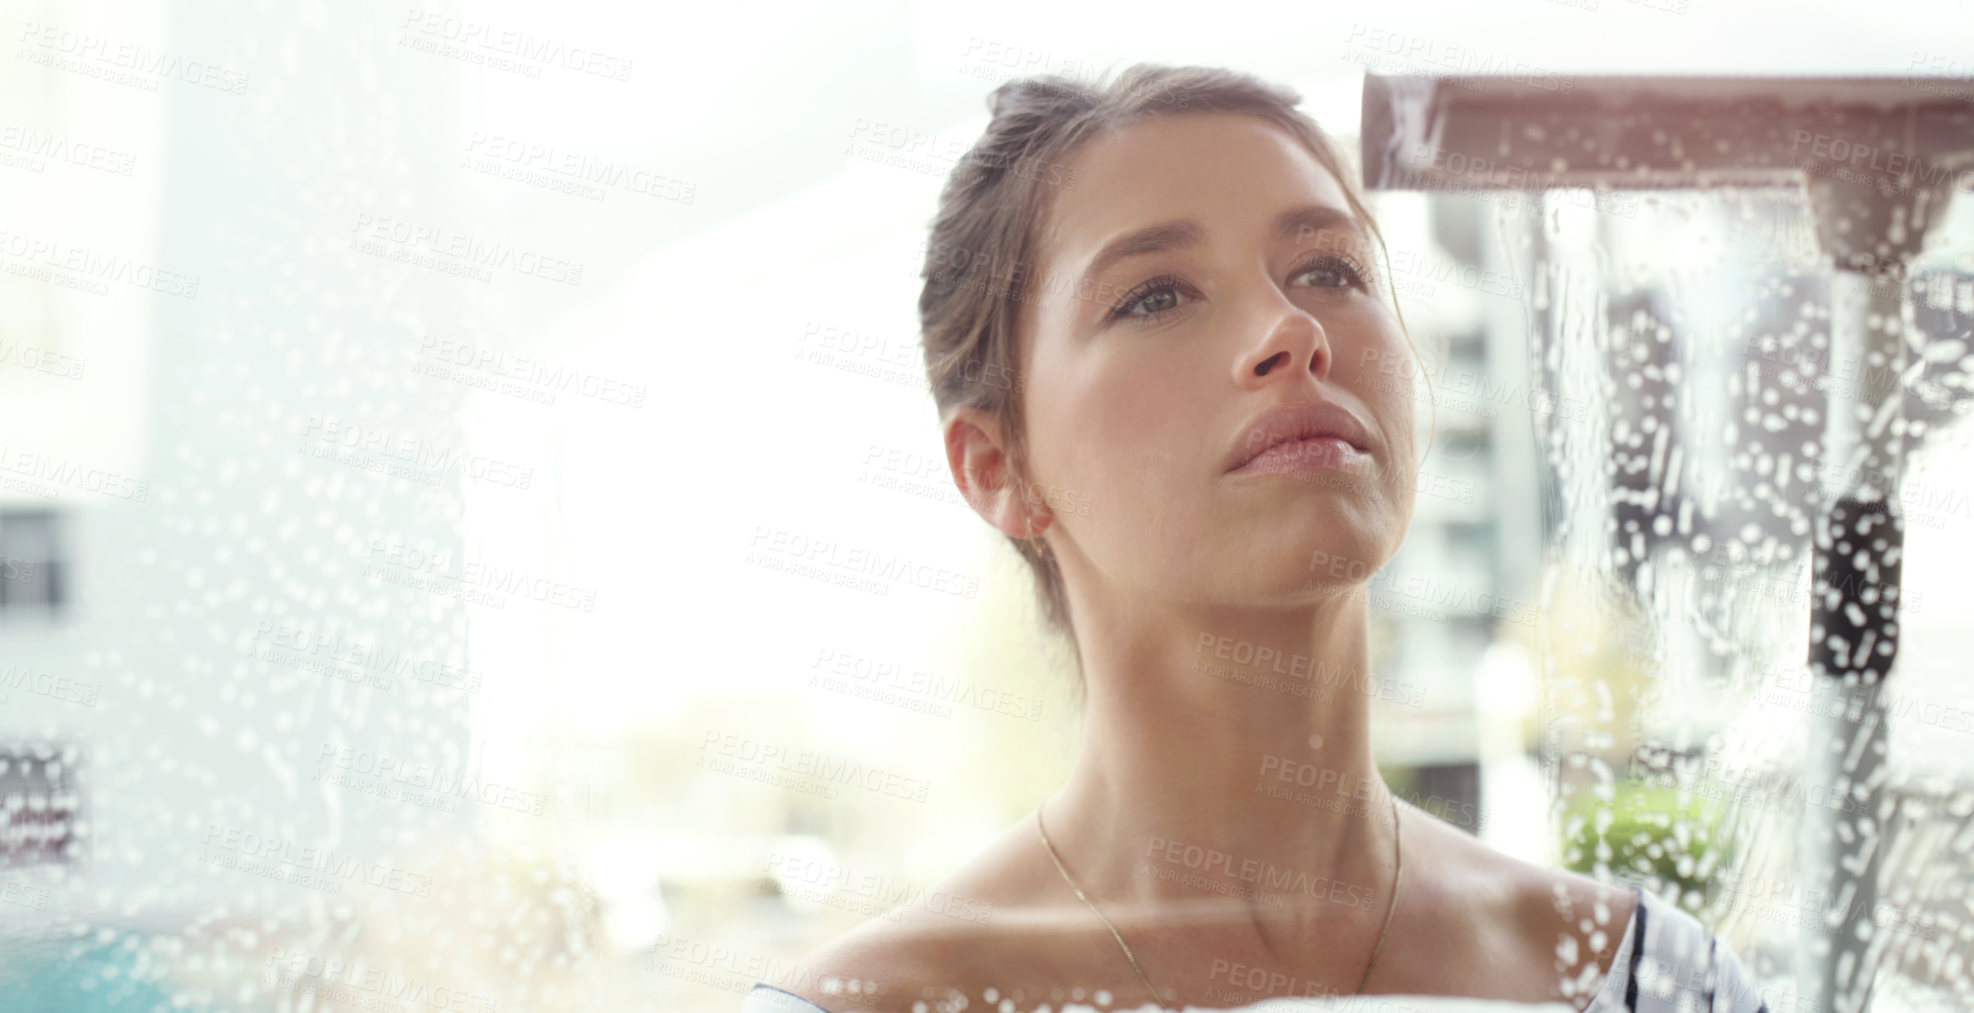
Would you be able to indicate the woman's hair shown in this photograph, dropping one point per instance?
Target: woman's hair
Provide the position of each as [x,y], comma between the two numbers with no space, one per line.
[983,244]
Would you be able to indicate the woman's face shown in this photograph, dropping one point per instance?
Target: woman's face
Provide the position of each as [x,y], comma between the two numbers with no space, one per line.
[1143,375]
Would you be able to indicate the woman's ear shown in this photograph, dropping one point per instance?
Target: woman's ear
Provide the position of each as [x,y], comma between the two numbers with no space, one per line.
[977,454]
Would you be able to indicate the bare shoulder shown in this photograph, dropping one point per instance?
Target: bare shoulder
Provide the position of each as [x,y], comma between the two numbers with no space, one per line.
[953,935]
[1572,906]
[1570,926]
[1532,933]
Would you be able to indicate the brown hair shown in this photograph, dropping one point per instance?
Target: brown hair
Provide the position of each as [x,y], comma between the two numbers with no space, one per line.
[985,235]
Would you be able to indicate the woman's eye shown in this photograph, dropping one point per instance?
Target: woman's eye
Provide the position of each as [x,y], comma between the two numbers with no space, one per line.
[1159,295]
[1339,272]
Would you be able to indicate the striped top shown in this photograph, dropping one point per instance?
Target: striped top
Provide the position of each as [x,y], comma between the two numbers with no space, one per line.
[1667,962]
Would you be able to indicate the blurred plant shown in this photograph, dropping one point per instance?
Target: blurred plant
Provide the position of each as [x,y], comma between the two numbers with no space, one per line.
[1655,836]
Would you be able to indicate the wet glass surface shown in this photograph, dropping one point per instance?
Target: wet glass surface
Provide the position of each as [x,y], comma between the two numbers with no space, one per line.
[474,535]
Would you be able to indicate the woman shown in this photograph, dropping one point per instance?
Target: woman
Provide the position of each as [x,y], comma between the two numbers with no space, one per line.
[1154,300]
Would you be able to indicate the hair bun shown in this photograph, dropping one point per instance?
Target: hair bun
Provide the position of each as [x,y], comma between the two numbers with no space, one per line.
[1016,93]
[1008,95]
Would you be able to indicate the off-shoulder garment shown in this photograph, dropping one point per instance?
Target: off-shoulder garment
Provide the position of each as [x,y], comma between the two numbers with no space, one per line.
[1667,962]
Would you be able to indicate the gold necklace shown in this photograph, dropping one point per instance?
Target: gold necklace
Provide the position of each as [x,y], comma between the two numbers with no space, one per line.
[1398,865]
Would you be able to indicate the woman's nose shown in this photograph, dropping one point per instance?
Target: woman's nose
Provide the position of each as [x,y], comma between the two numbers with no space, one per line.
[1295,339]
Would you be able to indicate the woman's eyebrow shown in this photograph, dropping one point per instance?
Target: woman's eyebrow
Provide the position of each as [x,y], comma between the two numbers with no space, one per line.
[1172,235]
[1296,223]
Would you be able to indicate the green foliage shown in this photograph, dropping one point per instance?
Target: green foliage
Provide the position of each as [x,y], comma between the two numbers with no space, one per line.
[1656,836]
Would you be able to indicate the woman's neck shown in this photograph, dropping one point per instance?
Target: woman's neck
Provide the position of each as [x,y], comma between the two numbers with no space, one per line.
[1226,764]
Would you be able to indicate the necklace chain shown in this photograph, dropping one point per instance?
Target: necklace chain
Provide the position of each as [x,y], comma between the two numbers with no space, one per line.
[1398,865]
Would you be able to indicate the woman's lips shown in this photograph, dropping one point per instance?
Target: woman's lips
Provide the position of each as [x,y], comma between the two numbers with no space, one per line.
[1300,420]
[1317,453]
